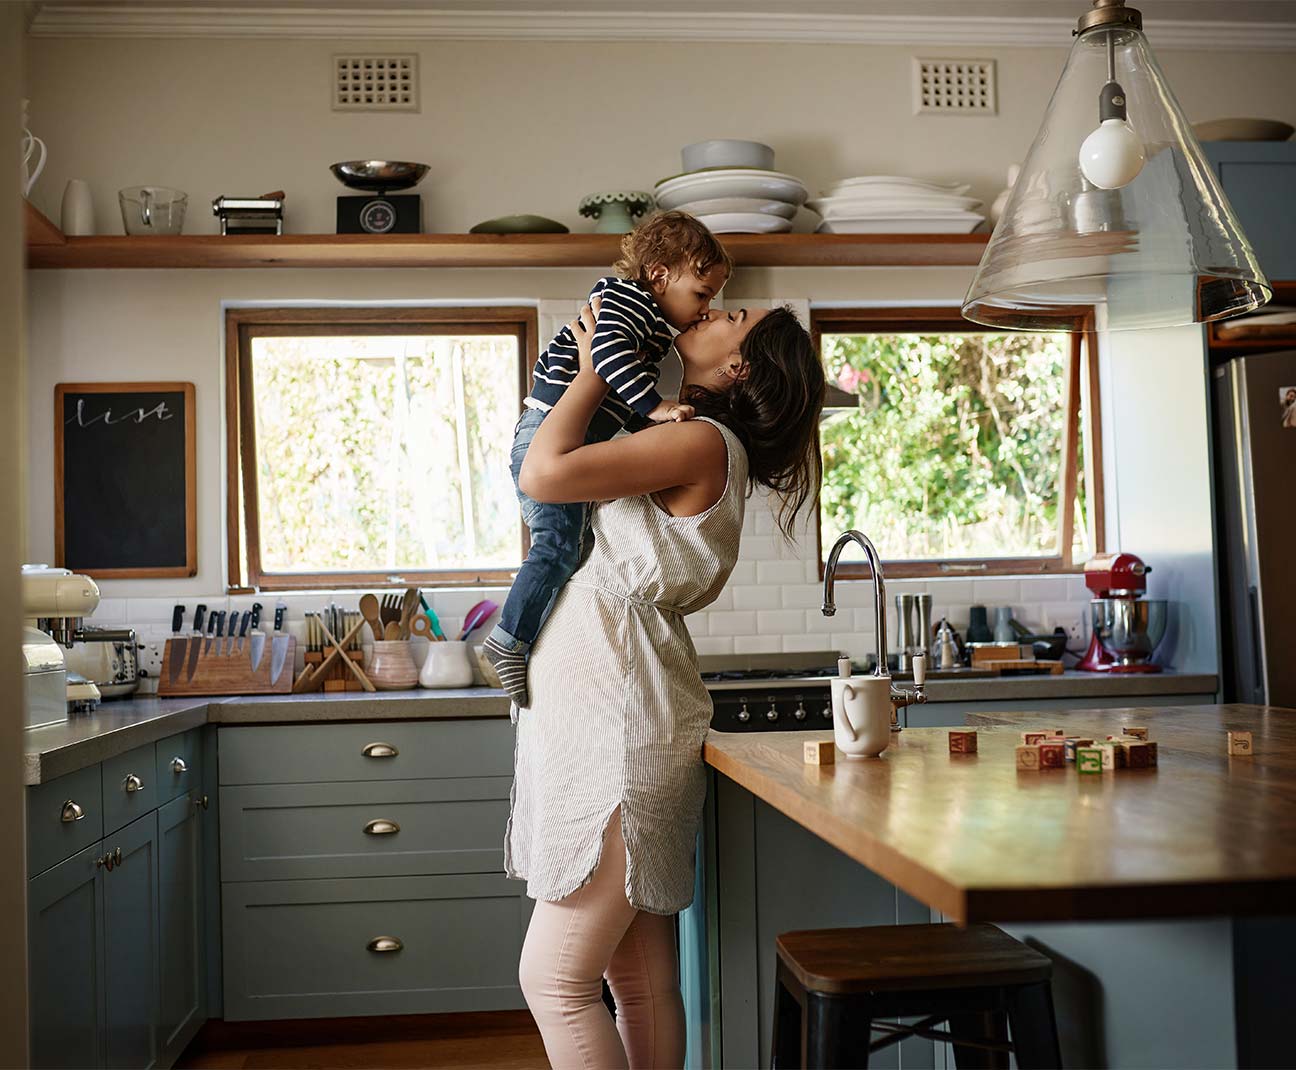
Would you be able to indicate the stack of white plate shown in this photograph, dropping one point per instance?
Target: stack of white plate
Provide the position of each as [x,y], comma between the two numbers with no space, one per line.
[887,204]
[734,200]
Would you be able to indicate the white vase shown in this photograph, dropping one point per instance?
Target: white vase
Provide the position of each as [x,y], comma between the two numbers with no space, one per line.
[78,209]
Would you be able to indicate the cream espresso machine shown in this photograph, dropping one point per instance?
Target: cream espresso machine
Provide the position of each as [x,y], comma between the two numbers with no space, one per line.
[54,602]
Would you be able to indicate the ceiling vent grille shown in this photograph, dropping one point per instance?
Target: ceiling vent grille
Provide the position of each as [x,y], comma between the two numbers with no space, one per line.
[375,82]
[954,87]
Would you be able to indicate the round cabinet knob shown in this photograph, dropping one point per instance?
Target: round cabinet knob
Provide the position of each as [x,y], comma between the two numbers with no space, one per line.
[103,860]
[132,782]
[826,713]
[743,714]
[71,811]
[772,714]
[178,766]
[800,712]
[385,943]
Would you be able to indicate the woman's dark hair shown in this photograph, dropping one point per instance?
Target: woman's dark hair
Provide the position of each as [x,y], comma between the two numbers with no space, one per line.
[774,411]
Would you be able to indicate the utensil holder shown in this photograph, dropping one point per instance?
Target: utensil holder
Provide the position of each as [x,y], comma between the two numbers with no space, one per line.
[392,667]
[446,665]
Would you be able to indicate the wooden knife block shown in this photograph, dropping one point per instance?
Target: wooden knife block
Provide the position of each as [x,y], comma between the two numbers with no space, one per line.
[227,674]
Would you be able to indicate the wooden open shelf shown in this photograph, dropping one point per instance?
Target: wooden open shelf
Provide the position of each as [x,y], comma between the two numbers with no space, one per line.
[48,248]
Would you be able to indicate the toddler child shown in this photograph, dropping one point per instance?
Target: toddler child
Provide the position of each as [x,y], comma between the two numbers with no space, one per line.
[671,267]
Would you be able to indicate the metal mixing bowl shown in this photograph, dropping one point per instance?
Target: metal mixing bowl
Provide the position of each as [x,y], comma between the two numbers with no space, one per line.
[1129,629]
[379,176]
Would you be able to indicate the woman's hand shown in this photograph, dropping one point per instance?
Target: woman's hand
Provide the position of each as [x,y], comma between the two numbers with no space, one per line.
[583,328]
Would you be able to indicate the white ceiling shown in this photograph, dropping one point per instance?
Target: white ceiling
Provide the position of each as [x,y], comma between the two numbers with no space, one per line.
[1224,24]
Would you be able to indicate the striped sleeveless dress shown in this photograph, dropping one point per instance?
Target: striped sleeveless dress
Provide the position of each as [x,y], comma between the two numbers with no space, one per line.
[618,711]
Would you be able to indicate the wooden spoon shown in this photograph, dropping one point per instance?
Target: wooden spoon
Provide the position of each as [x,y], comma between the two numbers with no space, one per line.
[392,632]
[369,609]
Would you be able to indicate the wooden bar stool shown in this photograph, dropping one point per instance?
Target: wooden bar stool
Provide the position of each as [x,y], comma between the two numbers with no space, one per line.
[836,987]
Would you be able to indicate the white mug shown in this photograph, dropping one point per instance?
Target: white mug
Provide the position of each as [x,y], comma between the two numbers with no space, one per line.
[862,715]
[77,217]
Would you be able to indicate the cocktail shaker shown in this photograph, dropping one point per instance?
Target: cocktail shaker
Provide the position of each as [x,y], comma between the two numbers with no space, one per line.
[904,630]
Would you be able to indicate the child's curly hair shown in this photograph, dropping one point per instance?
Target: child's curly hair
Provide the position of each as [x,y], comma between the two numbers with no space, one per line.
[675,239]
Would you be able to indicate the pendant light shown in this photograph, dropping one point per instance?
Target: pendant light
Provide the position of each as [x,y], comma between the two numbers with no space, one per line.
[1116,220]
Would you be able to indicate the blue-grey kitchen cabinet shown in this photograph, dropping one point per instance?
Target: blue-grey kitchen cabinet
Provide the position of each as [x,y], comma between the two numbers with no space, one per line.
[362,869]
[1259,179]
[116,939]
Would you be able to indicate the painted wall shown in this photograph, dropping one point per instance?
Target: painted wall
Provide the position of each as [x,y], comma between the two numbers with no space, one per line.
[522,126]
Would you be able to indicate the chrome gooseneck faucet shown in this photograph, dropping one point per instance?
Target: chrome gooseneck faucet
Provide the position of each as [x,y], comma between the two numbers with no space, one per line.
[900,697]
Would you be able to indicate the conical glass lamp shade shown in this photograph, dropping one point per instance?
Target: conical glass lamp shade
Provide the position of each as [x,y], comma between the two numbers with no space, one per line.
[1163,249]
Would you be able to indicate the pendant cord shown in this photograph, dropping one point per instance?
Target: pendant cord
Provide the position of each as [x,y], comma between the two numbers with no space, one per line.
[1111,55]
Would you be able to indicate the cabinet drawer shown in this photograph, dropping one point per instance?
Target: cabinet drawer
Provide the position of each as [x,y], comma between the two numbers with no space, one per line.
[297,754]
[174,780]
[129,787]
[364,828]
[302,949]
[50,838]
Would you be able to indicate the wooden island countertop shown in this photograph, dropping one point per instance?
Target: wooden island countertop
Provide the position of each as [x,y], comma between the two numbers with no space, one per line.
[1202,834]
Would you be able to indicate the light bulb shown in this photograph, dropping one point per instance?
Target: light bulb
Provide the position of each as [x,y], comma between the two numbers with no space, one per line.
[1112,155]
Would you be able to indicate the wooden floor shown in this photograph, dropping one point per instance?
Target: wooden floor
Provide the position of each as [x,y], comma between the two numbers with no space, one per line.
[494,1040]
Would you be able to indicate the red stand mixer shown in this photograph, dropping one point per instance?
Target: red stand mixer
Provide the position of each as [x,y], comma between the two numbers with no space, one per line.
[1126,626]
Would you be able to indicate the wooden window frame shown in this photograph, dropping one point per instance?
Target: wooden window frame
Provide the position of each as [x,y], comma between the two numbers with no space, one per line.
[1082,383]
[241,505]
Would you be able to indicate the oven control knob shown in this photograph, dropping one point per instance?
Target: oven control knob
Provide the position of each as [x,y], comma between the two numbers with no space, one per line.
[826,713]
[743,714]
[800,712]
[772,714]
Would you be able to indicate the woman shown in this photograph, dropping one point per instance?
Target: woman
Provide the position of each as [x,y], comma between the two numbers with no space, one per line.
[609,781]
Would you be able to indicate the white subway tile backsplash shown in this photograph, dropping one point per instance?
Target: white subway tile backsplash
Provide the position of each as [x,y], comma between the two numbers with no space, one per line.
[158,610]
[766,597]
[732,622]
[816,622]
[724,600]
[802,596]
[853,644]
[743,573]
[758,548]
[997,592]
[802,643]
[109,613]
[713,644]
[758,644]
[780,621]
[778,572]
[1045,589]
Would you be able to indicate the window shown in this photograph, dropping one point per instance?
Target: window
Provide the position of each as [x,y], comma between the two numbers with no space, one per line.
[371,446]
[957,450]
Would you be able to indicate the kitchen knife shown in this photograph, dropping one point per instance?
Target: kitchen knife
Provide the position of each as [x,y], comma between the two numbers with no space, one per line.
[243,627]
[195,642]
[211,631]
[177,643]
[220,632]
[258,636]
[278,645]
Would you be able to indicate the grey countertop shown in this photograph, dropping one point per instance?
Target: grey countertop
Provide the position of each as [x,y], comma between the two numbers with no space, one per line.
[119,726]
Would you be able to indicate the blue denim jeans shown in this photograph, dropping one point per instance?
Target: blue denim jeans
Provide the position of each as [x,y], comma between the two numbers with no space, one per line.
[559,533]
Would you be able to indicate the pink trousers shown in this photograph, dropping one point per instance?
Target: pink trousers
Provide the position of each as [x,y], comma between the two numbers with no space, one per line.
[571,945]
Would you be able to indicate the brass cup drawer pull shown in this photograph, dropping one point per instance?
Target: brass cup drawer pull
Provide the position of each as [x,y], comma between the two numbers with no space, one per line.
[71,811]
[201,802]
[379,750]
[385,943]
[178,766]
[133,783]
[380,826]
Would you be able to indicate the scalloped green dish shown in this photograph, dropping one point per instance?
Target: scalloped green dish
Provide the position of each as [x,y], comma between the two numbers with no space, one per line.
[520,224]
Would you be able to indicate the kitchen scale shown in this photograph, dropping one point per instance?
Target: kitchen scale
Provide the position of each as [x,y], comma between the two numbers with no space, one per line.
[380,213]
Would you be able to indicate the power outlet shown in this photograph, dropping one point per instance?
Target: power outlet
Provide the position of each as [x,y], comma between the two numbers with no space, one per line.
[1077,633]
[151,649]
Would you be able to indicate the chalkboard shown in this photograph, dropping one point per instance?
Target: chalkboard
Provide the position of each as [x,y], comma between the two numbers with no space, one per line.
[124,479]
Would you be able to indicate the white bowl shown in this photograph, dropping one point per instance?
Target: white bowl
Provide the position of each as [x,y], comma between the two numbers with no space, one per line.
[902,225]
[958,189]
[715,205]
[726,152]
[745,223]
[732,182]
[843,206]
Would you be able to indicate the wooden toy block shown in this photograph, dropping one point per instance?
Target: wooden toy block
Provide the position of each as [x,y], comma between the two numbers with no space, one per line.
[1060,733]
[1052,754]
[962,741]
[1074,743]
[1113,756]
[1239,743]
[1137,731]
[335,685]
[1032,739]
[820,752]
[1089,760]
[1028,757]
[1139,755]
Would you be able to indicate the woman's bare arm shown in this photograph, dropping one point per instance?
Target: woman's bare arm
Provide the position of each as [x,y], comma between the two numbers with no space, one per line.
[559,467]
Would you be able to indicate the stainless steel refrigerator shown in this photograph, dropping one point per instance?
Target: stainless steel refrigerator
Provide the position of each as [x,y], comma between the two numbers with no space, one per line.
[1254,401]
